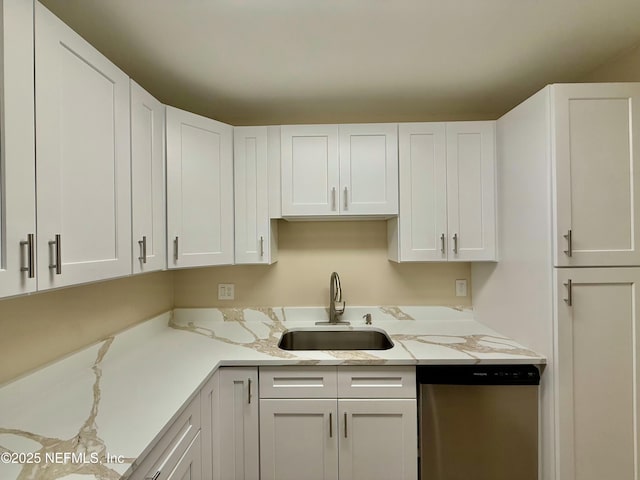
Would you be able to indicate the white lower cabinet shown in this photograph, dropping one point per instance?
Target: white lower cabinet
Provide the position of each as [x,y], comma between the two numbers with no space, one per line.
[338,438]
[378,439]
[298,439]
[230,425]
[597,370]
[177,454]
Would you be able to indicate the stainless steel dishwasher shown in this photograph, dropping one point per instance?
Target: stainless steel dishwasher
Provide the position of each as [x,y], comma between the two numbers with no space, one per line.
[478,422]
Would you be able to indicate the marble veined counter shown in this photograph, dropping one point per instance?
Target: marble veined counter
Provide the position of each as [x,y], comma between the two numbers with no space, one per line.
[96,413]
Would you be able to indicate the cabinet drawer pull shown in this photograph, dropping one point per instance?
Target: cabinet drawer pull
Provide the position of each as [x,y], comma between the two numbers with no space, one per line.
[569,251]
[569,287]
[333,199]
[442,246]
[176,252]
[143,249]
[345,424]
[30,243]
[153,477]
[330,425]
[261,246]
[455,243]
[57,254]
[249,391]
[346,198]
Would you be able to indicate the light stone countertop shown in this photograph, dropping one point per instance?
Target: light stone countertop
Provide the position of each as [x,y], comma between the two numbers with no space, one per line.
[117,397]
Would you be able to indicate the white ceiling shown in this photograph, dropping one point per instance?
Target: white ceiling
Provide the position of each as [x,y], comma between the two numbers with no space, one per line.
[293,61]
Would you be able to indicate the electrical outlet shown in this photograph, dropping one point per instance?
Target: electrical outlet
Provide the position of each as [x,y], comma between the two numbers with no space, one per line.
[226,291]
[461,288]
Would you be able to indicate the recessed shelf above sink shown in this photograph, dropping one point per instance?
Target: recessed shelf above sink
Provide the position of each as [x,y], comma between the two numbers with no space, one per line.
[335,339]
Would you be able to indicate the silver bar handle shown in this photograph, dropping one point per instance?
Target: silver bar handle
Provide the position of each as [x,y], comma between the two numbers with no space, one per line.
[345,424]
[153,477]
[143,249]
[569,251]
[333,199]
[569,287]
[442,246]
[176,252]
[57,254]
[30,243]
[249,391]
[330,425]
[261,246]
[455,243]
[346,198]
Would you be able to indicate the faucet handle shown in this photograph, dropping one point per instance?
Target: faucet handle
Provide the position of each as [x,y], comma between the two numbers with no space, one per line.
[339,309]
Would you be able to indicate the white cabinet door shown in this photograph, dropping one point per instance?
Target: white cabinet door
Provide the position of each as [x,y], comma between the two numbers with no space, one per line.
[17,160]
[378,439]
[597,174]
[471,199]
[419,234]
[598,333]
[238,426]
[199,190]
[147,182]
[298,439]
[310,171]
[210,431]
[368,169]
[83,159]
[189,466]
[255,232]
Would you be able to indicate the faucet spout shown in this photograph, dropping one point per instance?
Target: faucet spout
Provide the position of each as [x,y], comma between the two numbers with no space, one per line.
[335,297]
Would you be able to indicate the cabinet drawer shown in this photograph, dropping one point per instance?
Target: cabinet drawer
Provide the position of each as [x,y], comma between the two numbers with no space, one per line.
[298,382]
[377,382]
[171,446]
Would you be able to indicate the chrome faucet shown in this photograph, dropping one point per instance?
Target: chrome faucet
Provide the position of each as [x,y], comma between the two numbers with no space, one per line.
[335,297]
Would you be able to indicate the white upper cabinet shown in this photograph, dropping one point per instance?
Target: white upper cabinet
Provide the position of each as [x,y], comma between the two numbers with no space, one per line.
[199,190]
[310,170]
[471,199]
[447,193]
[255,231]
[83,144]
[368,169]
[347,170]
[597,174]
[419,234]
[17,157]
[147,182]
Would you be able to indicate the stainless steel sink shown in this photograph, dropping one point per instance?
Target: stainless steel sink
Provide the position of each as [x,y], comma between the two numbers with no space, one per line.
[343,339]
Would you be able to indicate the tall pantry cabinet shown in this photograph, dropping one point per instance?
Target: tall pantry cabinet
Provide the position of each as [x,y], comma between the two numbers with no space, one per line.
[569,170]
[17,152]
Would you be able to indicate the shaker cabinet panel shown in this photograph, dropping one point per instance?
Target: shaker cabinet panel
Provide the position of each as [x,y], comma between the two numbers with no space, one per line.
[368,454]
[238,426]
[368,169]
[447,193]
[83,145]
[298,439]
[255,232]
[148,204]
[199,190]
[310,175]
[597,166]
[471,187]
[597,325]
[17,160]
[422,223]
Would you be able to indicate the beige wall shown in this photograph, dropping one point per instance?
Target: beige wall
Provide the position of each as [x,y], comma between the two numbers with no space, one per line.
[43,327]
[623,68]
[308,253]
